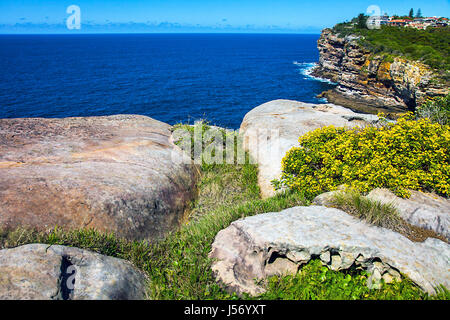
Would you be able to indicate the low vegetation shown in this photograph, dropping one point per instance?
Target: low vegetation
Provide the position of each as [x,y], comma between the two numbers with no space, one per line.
[222,184]
[315,282]
[374,212]
[430,46]
[437,110]
[408,154]
[178,266]
[379,214]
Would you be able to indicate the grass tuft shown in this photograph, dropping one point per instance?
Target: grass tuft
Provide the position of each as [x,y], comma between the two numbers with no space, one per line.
[380,214]
[374,212]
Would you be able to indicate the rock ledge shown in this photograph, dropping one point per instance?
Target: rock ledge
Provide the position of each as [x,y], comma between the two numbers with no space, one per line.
[280,242]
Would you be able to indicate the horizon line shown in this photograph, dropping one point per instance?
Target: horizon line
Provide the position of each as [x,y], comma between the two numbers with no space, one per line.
[125,33]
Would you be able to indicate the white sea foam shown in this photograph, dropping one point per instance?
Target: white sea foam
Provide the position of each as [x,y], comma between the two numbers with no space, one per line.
[323,100]
[306,69]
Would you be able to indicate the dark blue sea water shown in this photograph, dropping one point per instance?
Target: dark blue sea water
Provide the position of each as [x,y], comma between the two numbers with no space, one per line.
[170,77]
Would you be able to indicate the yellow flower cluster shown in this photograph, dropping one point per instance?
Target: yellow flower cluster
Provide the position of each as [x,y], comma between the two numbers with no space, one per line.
[408,154]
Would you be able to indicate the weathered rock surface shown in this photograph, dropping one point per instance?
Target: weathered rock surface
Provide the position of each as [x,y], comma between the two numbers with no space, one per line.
[425,210]
[273,128]
[326,198]
[43,272]
[368,83]
[117,173]
[280,242]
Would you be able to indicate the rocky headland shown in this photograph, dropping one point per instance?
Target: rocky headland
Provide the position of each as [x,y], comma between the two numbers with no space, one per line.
[369,82]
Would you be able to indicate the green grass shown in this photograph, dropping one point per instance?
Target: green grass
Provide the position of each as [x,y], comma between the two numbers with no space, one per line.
[374,212]
[178,266]
[181,267]
[316,282]
[220,184]
[383,215]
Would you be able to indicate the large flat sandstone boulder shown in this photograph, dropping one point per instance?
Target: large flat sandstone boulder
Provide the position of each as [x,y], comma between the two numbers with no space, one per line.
[117,173]
[280,242]
[273,128]
[425,210]
[43,272]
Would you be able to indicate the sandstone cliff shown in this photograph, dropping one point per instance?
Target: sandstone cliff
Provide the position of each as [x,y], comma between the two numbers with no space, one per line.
[371,82]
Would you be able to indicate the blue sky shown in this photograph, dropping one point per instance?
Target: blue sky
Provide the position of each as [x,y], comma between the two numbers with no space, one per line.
[188,15]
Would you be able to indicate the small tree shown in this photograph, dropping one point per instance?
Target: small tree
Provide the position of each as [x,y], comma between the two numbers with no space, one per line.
[411,13]
[362,20]
[419,13]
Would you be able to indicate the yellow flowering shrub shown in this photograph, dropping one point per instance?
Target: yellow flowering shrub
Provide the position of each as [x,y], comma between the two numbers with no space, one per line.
[408,154]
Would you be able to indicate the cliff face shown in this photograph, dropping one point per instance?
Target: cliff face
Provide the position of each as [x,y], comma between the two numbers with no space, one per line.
[369,82]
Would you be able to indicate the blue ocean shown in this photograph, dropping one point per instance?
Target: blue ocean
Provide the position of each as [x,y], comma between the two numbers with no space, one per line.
[170,77]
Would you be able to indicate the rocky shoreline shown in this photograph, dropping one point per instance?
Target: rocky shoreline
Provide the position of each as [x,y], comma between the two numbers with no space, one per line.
[127,175]
[119,174]
[368,82]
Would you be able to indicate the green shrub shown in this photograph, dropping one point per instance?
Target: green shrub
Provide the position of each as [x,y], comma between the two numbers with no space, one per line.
[437,110]
[210,146]
[430,46]
[408,154]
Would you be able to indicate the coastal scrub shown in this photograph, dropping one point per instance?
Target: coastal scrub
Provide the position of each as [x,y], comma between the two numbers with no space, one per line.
[408,154]
[436,109]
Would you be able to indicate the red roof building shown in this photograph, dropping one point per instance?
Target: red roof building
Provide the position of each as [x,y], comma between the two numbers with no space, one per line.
[398,22]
